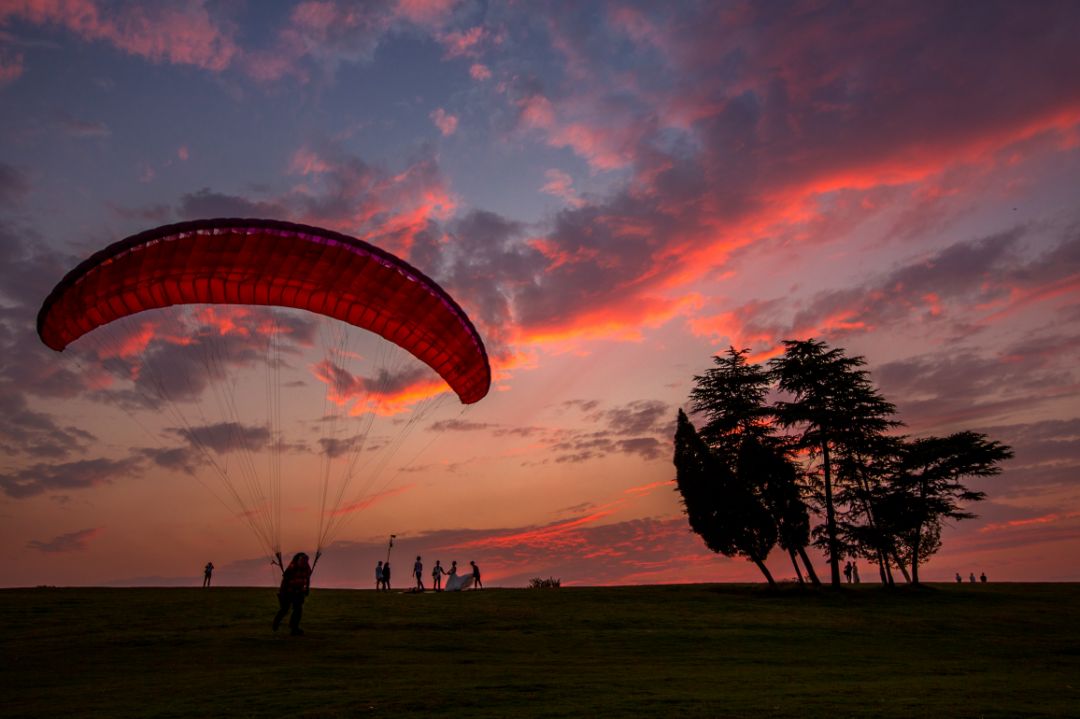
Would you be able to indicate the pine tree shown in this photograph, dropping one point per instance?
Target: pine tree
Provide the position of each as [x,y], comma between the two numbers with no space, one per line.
[839,414]
[729,518]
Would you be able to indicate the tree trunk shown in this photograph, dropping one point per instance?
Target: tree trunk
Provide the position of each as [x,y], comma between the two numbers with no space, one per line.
[901,566]
[830,517]
[809,567]
[881,567]
[916,541]
[915,555]
[888,575]
[795,563]
[765,570]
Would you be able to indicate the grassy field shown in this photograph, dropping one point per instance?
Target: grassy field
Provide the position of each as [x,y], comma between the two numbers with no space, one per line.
[997,650]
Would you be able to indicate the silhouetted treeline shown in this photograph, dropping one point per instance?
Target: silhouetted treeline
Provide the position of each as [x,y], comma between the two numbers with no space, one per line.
[809,435]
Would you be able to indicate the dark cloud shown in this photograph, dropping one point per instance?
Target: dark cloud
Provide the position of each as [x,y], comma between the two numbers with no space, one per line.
[79,128]
[224,437]
[66,543]
[157,213]
[82,474]
[939,289]
[460,425]
[177,459]
[334,447]
[36,435]
[185,353]
[962,386]
[13,185]
[206,203]
[638,417]
[1047,457]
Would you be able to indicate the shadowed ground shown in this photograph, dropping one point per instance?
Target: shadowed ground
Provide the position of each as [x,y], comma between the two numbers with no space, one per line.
[997,650]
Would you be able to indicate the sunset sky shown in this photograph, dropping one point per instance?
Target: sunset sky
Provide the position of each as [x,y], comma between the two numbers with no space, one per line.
[613,191]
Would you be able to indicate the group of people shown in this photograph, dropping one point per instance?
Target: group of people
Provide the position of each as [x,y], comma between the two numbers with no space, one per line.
[296,584]
[851,573]
[971,578]
[454,582]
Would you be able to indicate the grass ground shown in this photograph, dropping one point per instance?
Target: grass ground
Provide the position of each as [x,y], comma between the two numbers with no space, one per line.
[997,650]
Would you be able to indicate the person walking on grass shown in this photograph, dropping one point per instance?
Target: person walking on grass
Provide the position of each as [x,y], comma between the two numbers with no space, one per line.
[207,571]
[418,571]
[436,576]
[295,586]
[378,576]
[476,575]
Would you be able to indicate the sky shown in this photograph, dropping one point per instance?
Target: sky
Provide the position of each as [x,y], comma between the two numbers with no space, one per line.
[614,192]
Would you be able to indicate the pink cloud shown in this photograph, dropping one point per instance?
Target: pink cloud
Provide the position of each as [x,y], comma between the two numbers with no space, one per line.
[602,143]
[426,13]
[480,72]
[11,66]
[561,185]
[180,34]
[443,120]
[463,43]
[65,543]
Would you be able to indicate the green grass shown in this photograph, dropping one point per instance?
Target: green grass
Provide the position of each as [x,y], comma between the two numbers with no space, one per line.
[997,650]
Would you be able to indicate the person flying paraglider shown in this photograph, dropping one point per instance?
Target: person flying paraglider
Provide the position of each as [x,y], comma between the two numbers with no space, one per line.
[272,268]
[295,586]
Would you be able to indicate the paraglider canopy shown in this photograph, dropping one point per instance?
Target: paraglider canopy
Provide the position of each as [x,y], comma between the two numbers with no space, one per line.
[270,262]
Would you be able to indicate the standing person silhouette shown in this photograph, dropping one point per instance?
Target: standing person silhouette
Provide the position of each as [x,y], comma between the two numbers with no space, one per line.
[207,571]
[451,576]
[418,571]
[476,575]
[847,572]
[295,586]
[436,576]
[378,576]
[855,572]
[982,577]
[959,579]
[386,576]
[971,577]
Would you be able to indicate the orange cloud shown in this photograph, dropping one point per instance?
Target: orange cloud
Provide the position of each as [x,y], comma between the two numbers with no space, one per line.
[1051,518]
[646,489]
[370,501]
[557,534]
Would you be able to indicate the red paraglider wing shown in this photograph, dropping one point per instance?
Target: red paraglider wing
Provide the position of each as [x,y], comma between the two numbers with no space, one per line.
[268,262]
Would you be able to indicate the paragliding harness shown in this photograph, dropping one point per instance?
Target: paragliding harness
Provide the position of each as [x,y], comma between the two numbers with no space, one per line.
[295,582]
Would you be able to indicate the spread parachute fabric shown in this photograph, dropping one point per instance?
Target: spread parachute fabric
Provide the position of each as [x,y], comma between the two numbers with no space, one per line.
[270,262]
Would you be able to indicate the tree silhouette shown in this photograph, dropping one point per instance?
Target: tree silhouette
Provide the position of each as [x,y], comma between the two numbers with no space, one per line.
[740,429]
[729,516]
[928,484]
[837,410]
[885,497]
